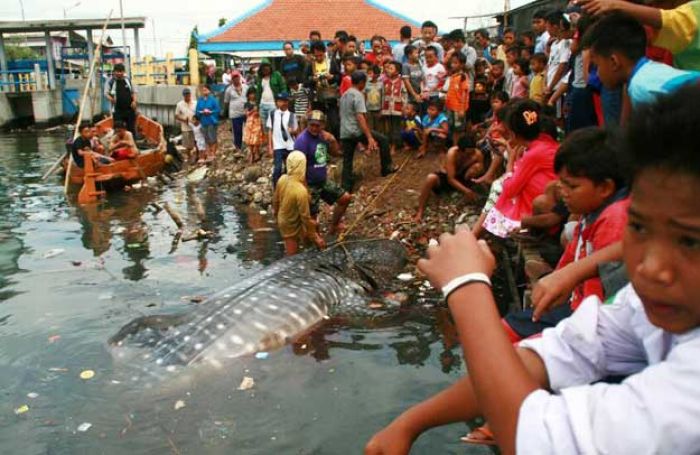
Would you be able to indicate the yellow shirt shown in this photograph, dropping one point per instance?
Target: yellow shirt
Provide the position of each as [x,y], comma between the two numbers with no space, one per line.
[537,85]
[680,34]
[292,200]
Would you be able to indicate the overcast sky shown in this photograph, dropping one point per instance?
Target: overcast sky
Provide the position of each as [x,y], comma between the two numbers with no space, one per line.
[167,27]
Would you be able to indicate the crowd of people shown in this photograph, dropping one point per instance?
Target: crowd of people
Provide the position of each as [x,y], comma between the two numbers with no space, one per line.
[588,154]
[575,136]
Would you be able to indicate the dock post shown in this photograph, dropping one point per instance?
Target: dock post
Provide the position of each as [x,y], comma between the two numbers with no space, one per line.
[49,61]
[194,67]
[3,64]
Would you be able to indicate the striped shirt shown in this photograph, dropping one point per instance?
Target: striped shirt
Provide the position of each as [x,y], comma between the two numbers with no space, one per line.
[301,100]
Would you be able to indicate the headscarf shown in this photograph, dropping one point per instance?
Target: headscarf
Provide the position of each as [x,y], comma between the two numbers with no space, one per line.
[296,166]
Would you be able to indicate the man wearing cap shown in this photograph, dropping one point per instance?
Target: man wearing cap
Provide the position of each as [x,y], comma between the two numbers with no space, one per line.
[184,110]
[235,99]
[317,144]
[292,65]
[282,125]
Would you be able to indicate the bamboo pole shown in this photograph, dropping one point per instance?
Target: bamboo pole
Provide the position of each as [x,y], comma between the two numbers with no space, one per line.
[80,112]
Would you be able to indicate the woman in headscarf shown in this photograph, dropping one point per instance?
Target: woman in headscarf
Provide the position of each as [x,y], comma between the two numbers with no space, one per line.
[292,204]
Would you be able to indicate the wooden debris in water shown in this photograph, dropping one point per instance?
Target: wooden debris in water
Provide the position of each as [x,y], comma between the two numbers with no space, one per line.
[174,216]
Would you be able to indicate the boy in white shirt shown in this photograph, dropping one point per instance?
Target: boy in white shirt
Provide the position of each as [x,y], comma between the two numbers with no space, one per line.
[544,397]
[282,124]
[200,141]
[559,54]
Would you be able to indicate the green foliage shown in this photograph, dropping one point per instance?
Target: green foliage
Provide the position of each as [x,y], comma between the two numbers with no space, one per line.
[222,21]
[14,51]
[20,53]
[193,39]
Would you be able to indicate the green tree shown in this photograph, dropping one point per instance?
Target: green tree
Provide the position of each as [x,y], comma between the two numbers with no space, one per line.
[193,39]
[222,21]
[14,51]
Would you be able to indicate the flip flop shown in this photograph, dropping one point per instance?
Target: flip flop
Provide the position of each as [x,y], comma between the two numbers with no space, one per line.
[480,436]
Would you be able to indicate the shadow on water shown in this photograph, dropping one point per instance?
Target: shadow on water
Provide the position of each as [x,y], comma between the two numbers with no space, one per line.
[70,277]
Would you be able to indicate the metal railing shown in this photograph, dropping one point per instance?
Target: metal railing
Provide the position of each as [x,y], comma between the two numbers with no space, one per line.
[17,81]
[168,71]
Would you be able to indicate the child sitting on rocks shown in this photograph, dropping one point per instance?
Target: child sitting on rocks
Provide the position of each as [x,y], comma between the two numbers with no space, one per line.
[464,163]
[435,129]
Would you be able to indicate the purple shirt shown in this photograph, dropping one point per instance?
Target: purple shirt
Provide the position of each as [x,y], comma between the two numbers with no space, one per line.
[316,151]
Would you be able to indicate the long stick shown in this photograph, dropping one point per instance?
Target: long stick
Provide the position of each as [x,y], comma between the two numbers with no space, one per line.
[76,132]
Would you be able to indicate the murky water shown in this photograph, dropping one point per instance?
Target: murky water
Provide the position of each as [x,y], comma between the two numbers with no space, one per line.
[70,277]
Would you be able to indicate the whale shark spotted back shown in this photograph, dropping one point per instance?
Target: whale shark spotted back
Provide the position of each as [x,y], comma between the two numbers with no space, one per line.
[265,310]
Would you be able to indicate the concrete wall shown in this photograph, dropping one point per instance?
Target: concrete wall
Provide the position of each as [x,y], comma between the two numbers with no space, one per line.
[6,113]
[158,102]
[47,106]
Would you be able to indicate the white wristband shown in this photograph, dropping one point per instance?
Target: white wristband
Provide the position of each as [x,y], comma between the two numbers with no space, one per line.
[463,280]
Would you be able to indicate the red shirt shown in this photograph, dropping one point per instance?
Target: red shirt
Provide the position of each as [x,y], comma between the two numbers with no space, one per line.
[606,229]
[372,58]
[394,96]
[531,175]
[345,84]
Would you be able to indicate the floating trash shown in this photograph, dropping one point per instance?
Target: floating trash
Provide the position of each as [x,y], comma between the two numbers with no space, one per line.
[53,253]
[405,277]
[262,355]
[54,338]
[433,242]
[32,395]
[87,374]
[263,212]
[247,383]
[85,426]
[22,409]
[179,404]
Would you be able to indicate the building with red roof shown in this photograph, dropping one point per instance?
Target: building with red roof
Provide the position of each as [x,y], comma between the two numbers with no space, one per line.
[264,29]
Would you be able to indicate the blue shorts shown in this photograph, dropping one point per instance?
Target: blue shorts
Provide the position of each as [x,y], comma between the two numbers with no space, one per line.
[209,132]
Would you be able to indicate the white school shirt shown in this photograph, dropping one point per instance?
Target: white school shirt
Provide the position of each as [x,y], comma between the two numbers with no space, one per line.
[656,410]
[559,53]
[275,121]
[432,76]
[199,139]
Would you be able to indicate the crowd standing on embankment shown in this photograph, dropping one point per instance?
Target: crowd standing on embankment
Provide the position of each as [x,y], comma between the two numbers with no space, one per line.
[518,132]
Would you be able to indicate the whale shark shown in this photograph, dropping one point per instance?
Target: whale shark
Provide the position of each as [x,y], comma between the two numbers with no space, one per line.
[268,309]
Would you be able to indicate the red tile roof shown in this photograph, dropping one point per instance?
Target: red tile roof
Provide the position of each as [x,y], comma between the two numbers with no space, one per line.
[293,20]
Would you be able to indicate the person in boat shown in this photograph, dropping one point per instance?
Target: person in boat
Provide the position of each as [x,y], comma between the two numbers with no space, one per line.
[122,146]
[82,148]
[121,92]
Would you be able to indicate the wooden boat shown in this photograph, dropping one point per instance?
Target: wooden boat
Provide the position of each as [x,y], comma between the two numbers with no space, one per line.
[121,173]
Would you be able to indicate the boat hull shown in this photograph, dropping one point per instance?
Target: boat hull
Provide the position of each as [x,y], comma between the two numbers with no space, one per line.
[120,173]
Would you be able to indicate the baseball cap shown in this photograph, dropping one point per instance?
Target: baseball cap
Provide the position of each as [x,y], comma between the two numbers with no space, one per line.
[316,116]
[186,91]
[284,96]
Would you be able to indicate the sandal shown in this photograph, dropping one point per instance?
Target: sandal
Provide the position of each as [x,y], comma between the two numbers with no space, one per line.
[481,436]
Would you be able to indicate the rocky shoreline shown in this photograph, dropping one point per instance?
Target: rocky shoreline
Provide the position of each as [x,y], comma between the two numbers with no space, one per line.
[386,204]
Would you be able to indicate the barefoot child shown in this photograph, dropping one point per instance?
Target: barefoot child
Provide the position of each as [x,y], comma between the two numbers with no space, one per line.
[252,132]
[411,127]
[457,96]
[435,129]
[464,163]
[200,142]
